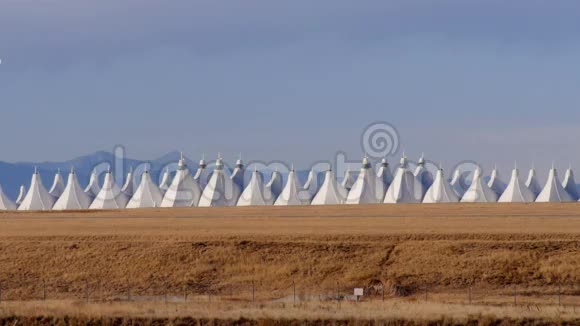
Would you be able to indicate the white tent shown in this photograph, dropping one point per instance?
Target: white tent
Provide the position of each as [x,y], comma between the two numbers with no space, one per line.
[349,179]
[110,196]
[184,191]
[238,174]
[129,186]
[331,192]
[440,191]
[569,184]
[479,191]
[21,195]
[147,194]
[165,181]
[553,190]
[516,191]
[458,184]
[255,193]
[220,190]
[402,189]
[293,193]
[311,185]
[533,184]
[363,190]
[37,197]
[6,204]
[424,176]
[495,182]
[385,178]
[202,174]
[57,185]
[275,185]
[73,196]
[93,187]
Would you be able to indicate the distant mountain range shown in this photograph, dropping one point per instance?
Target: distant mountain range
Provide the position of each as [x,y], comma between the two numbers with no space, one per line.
[13,175]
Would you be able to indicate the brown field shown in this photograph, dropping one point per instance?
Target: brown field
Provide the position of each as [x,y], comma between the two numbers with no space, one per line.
[198,254]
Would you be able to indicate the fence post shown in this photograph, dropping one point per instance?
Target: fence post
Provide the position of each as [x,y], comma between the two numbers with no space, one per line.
[559,295]
[383,292]
[253,292]
[87,290]
[515,295]
[469,294]
[0,292]
[294,286]
[165,292]
[426,295]
[128,292]
[185,294]
[43,290]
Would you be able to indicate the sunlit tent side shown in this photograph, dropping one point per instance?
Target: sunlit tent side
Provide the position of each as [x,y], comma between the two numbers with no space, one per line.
[479,191]
[110,196]
[553,190]
[516,191]
[37,198]
[331,192]
[147,194]
[73,196]
[363,191]
[220,190]
[440,190]
[402,189]
[183,191]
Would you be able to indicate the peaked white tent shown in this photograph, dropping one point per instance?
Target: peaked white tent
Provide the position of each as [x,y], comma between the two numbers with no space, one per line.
[255,192]
[440,190]
[275,185]
[129,186]
[363,190]
[238,174]
[495,182]
[479,191]
[6,204]
[331,192]
[21,195]
[516,191]
[553,190]
[184,191]
[293,193]
[533,184]
[110,196]
[220,190]
[311,185]
[202,174]
[165,181]
[349,179]
[569,184]
[402,189]
[147,194]
[57,185]
[73,196]
[457,184]
[424,176]
[93,187]
[385,178]
[37,197]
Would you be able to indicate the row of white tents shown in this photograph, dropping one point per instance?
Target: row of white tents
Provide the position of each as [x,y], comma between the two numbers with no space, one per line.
[218,188]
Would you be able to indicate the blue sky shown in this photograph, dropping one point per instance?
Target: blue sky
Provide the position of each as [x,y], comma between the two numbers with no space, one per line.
[491,81]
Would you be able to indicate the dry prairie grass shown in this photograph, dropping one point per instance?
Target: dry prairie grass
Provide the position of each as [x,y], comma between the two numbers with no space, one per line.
[222,250]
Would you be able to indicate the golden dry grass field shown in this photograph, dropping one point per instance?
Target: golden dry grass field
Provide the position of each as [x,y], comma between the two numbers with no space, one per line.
[151,254]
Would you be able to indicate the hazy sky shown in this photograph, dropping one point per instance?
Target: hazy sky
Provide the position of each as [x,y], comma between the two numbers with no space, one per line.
[492,81]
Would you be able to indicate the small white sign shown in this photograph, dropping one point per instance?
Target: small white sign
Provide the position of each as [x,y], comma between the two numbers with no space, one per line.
[359,292]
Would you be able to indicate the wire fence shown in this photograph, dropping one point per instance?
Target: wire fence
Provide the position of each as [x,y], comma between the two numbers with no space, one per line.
[294,293]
